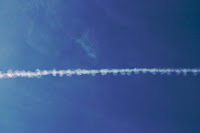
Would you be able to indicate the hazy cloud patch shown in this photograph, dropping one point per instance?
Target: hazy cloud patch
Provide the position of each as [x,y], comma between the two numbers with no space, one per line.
[87,44]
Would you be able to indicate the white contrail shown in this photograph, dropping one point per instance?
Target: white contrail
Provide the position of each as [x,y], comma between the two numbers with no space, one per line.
[69,72]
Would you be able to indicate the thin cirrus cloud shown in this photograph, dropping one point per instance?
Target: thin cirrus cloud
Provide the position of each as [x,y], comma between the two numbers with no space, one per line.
[86,45]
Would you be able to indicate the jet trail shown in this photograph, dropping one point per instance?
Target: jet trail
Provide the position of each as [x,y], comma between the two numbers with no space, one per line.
[93,72]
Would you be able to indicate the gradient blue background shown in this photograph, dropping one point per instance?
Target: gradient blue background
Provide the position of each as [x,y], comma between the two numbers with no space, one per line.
[96,34]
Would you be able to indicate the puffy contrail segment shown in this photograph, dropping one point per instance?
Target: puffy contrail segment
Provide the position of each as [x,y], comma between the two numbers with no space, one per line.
[78,72]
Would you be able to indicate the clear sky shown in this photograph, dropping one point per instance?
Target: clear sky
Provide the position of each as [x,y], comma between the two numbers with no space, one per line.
[95,34]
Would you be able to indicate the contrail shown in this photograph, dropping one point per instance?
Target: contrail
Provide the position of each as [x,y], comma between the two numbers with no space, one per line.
[93,72]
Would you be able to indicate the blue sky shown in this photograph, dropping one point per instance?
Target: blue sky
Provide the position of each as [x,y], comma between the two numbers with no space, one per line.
[96,34]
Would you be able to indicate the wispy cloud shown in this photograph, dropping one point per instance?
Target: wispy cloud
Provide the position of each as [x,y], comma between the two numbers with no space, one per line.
[87,44]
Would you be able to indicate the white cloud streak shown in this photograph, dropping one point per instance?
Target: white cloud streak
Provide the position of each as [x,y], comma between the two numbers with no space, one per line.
[79,72]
